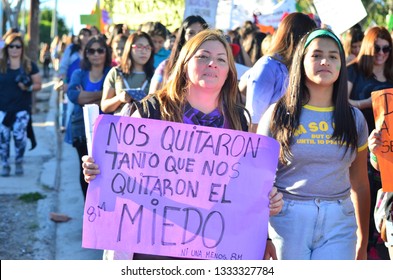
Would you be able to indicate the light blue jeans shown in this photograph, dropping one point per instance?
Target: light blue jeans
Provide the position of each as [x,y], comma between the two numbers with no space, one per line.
[315,230]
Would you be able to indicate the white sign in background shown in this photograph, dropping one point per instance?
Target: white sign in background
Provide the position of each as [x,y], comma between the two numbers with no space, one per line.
[233,13]
[204,8]
[273,16]
[340,15]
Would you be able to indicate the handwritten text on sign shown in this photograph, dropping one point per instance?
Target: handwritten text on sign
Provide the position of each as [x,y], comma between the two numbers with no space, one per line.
[179,190]
[383,114]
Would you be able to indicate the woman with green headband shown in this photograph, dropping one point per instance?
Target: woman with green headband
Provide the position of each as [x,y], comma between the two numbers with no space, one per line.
[323,158]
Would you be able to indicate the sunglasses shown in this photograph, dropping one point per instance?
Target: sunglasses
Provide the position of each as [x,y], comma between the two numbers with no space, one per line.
[93,51]
[385,49]
[14,46]
[141,47]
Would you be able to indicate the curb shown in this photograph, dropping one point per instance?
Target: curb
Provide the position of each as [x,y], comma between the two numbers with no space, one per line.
[45,242]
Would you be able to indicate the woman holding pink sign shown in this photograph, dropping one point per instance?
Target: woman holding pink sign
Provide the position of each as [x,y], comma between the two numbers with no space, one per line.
[323,158]
[201,91]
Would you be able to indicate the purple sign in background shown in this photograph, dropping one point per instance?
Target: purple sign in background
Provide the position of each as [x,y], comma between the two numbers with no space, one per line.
[179,190]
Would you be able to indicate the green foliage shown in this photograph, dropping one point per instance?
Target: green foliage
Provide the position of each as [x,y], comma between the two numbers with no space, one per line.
[304,6]
[168,12]
[31,197]
[34,226]
[46,25]
[46,15]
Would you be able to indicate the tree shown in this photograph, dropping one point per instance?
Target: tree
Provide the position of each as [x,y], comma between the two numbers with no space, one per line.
[46,24]
[33,31]
[39,24]
[12,14]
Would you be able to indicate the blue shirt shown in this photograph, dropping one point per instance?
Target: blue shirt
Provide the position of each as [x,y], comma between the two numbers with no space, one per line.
[81,78]
[161,56]
[266,84]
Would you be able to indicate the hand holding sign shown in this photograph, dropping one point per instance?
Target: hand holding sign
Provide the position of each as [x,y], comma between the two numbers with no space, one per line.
[383,113]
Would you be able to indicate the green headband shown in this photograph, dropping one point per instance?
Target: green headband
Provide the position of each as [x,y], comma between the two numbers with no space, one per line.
[322,33]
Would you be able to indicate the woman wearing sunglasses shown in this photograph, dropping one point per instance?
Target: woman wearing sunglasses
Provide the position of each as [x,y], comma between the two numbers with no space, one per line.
[130,80]
[85,87]
[70,61]
[371,70]
[19,77]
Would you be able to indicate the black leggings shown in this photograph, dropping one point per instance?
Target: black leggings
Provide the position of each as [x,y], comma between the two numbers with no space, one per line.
[81,148]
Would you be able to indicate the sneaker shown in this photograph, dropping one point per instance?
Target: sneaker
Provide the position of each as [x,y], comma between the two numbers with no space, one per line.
[5,172]
[18,169]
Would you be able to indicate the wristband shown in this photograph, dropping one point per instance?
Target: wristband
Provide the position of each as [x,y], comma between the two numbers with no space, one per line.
[373,157]
[30,88]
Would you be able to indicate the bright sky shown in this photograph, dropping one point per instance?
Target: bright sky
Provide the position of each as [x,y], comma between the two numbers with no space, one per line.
[70,10]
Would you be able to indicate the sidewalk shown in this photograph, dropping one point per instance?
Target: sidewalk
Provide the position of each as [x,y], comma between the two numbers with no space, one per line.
[51,169]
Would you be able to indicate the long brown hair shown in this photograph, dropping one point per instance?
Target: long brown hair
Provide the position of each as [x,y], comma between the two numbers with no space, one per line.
[286,114]
[353,35]
[365,58]
[289,32]
[172,96]
[180,42]
[126,63]
[25,61]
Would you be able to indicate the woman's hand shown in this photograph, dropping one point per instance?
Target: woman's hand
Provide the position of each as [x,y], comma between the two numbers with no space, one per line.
[124,97]
[22,86]
[275,201]
[270,251]
[90,169]
[361,252]
[375,141]
[60,86]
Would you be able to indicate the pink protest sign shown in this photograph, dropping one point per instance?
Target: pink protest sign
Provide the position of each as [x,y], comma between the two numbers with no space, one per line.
[179,190]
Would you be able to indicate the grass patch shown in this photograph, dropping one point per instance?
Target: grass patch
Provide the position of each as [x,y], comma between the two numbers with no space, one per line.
[33,227]
[31,197]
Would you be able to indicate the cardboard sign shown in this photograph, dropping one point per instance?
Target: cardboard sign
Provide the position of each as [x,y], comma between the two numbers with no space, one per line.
[179,190]
[382,101]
